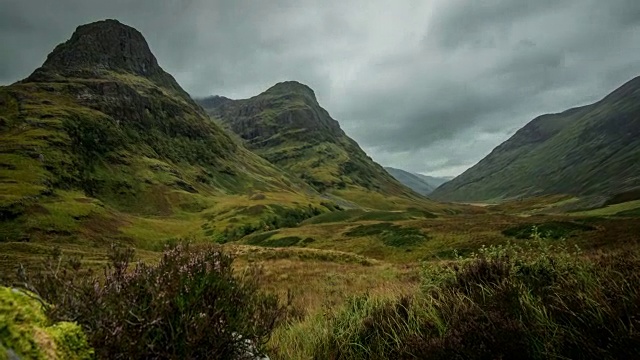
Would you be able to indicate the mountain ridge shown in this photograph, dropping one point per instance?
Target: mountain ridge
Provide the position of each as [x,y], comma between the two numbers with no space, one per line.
[590,150]
[100,138]
[286,125]
[422,184]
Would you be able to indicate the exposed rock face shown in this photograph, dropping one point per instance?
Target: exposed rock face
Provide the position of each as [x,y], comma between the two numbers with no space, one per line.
[103,46]
[107,44]
[214,101]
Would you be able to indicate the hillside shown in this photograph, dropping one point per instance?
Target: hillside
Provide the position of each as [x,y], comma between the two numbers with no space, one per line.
[422,184]
[434,181]
[592,150]
[412,181]
[286,126]
[101,143]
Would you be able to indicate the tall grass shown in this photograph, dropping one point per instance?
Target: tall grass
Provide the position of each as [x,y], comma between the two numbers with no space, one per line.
[538,300]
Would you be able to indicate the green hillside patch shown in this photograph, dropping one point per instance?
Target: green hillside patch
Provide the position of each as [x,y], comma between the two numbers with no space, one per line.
[259,239]
[282,242]
[624,197]
[630,213]
[621,209]
[353,215]
[390,234]
[336,216]
[552,230]
[266,239]
[381,216]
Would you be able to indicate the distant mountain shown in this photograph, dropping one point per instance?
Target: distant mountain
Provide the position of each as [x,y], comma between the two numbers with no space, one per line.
[435,181]
[592,150]
[286,125]
[101,130]
[422,184]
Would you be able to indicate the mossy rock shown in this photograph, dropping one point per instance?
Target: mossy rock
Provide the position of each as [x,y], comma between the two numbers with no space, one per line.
[25,332]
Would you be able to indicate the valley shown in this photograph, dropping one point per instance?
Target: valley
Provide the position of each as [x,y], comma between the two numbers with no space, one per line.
[101,149]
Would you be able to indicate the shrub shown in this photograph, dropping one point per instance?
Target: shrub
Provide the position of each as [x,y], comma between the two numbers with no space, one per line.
[552,230]
[526,302]
[188,306]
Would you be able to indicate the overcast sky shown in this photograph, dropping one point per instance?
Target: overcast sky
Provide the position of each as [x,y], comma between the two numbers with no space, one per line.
[426,86]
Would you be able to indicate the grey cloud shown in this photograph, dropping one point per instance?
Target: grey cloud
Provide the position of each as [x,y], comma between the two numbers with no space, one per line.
[428,86]
[483,23]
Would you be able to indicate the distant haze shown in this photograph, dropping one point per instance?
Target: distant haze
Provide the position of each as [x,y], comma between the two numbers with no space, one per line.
[425,86]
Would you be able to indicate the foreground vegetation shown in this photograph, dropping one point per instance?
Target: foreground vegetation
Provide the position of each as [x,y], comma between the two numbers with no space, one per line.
[535,298]
[535,302]
[190,305]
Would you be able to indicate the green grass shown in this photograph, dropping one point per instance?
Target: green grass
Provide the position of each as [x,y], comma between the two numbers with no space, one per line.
[282,242]
[611,209]
[390,234]
[394,216]
[258,239]
[355,215]
[334,217]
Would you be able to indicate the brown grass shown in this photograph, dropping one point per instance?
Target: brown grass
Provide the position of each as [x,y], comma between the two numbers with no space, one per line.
[317,279]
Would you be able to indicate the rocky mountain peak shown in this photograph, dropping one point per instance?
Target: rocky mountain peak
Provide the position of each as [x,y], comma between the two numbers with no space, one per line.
[98,49]
[108,45]
[214,101]
[291,88]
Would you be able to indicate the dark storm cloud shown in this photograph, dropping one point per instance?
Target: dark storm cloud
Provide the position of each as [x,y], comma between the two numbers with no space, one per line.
[424,86]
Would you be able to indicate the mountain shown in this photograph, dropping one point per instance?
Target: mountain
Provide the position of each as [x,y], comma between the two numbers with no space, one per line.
[592,150]
[422,184]
[434,180]
[100,141]
[286,126]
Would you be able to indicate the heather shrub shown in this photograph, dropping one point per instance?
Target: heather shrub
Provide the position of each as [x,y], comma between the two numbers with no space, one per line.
[537,300]
[189,305]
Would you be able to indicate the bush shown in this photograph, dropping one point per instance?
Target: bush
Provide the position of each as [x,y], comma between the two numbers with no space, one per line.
[188,306]
[505,302]
[551,230]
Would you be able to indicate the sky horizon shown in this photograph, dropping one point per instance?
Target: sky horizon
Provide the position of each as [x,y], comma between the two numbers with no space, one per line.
[425,86]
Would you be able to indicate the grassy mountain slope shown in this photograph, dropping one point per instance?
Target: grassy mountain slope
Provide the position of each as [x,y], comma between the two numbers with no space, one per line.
[287,126]
[422,184]
[412,181]
[592,150]
[101,143]
[434,180]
